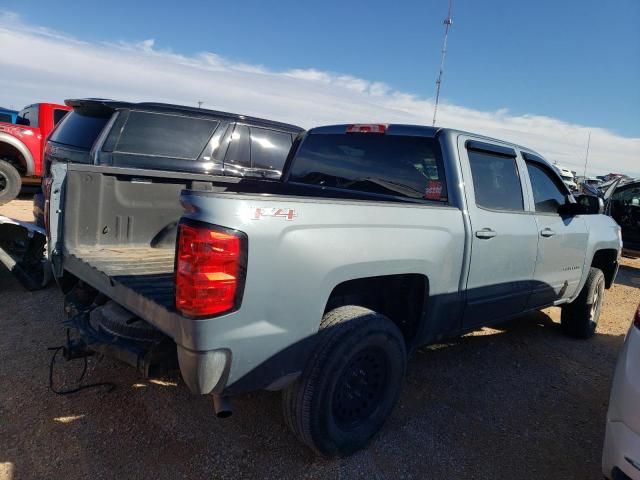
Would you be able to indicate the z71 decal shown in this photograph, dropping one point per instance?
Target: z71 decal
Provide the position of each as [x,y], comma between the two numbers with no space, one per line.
[286,213]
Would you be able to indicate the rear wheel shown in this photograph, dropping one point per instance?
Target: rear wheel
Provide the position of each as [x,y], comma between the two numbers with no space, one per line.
[350,384]
[579,318]
[10,182]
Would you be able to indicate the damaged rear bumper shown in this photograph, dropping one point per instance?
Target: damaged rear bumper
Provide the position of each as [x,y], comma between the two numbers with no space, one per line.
[22,247]
[203,372]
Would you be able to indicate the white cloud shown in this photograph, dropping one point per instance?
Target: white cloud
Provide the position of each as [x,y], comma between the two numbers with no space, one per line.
[39,64]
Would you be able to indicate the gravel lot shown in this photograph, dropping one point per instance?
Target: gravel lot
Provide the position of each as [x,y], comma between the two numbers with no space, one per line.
[520,401]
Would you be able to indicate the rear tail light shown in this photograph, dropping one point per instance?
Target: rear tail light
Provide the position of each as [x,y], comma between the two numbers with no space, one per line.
[636,319]
[367,128]
[210,269]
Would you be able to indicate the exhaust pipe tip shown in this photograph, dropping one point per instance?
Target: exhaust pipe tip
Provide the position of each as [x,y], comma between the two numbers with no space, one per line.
[222,406]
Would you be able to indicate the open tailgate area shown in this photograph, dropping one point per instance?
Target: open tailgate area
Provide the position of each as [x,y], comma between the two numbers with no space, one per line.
[143,270]
[119,231]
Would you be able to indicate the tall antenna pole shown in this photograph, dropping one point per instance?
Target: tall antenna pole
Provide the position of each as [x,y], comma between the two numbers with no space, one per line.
[586,157]
[447,24]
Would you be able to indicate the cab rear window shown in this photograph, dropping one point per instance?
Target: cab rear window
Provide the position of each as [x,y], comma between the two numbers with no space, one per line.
[79,130]
[389,165]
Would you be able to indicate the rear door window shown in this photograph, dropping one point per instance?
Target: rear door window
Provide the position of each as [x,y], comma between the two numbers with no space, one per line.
[547,193]
[496,182]
[79,129]
[165,135]
[269,148]
[239,151]
[392,165]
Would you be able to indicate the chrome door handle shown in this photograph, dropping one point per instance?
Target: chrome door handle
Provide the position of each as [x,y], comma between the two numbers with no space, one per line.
[486,233]
[547,232]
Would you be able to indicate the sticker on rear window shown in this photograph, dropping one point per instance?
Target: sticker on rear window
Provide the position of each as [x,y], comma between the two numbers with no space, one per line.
[433,190]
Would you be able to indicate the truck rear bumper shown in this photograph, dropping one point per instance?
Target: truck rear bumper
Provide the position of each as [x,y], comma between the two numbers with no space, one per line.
[204,372]
[204,346]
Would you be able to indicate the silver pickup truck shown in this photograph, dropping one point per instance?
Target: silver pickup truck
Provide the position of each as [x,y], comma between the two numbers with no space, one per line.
[377,240]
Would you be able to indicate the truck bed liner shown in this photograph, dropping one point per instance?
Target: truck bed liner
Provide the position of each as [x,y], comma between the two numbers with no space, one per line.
[145,270]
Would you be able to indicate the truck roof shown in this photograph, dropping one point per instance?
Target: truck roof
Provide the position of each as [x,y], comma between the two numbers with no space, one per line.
[181,109]
[418,130]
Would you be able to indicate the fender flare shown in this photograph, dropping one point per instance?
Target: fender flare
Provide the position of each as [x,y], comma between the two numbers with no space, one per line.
[22,148]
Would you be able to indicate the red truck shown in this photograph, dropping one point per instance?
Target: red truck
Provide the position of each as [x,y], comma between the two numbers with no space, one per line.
[22,145]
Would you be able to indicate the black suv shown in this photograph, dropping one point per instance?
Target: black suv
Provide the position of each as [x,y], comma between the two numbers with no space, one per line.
[173,138]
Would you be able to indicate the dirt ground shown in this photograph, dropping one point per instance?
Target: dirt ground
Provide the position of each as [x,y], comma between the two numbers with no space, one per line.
[520,401]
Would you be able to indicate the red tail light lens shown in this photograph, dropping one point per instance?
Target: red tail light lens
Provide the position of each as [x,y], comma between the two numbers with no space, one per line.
[367,128]
[210,269]
[636,319]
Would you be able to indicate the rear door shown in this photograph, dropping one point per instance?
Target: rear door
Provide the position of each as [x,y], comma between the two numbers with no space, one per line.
[504,233]
[562,239]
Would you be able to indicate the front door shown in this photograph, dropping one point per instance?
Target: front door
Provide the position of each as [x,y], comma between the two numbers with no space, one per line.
[562,242]
[504,234]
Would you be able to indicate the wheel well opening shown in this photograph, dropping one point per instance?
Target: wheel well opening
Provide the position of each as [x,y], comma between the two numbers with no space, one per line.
[12,155]
[606,261]
[402,298]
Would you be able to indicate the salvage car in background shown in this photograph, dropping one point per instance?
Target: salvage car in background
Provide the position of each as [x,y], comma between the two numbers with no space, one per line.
[567,177]
[621,200]
[22,144]
[7,115]
[621,457]
[624,207]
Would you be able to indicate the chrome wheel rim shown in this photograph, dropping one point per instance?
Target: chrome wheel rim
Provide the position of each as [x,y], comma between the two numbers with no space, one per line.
[596,303]
[4,182]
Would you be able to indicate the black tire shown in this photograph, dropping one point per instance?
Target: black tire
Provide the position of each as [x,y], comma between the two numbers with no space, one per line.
[10,182]
[579,318]
[350,384]
[116,321]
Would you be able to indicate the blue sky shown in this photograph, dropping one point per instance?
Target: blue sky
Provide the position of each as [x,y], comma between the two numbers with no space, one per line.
[575,60]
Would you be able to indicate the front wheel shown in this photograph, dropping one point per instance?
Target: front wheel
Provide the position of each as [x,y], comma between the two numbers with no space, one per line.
[579,318]
[350,384]
[10,182]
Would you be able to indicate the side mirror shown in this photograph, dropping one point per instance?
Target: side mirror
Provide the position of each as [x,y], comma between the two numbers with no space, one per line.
[570,207]
[589,205]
